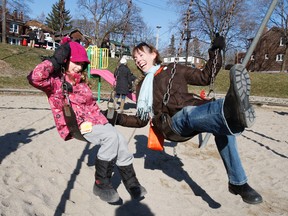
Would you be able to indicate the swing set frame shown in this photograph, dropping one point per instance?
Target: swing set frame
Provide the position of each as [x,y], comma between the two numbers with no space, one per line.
[70,115]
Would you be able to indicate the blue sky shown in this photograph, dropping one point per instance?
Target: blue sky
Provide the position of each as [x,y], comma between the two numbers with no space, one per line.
[154,12]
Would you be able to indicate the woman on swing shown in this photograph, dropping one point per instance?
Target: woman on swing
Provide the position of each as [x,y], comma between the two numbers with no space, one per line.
[224,118]
[66,68]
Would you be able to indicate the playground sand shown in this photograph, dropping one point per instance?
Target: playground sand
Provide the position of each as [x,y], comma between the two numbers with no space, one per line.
[43,175]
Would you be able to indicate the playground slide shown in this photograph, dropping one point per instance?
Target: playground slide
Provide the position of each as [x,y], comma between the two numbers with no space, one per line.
[109,77]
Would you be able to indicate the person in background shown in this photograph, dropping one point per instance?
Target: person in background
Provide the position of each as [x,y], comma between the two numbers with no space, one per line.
[41,39]
[124,78]
[106,44]
[32,38]
[112,50]
[67,68]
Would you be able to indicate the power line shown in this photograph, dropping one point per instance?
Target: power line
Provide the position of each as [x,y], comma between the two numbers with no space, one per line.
[154,6]
[165,32]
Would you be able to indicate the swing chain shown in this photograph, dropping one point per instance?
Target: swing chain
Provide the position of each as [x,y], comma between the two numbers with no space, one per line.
[228,18]
[213,74]
[65,87]
[166,96]
[216,52]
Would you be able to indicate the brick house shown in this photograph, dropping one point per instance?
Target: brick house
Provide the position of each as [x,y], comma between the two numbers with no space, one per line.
[193,61]
[269,53]
[15,27]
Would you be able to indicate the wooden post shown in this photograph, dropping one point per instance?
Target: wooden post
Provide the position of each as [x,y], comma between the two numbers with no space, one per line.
[3,21]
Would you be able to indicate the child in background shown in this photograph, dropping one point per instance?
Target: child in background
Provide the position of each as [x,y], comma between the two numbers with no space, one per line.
[67,65]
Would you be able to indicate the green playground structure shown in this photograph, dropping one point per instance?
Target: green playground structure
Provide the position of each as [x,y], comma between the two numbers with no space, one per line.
[99,59]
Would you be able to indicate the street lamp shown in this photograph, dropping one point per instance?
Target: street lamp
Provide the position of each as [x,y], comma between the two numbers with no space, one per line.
[157,36]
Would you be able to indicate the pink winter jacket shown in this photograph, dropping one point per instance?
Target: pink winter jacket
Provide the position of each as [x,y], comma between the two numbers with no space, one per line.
[81,99]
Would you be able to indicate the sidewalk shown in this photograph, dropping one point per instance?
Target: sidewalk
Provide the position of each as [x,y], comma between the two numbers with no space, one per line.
[256,100]
[43,175]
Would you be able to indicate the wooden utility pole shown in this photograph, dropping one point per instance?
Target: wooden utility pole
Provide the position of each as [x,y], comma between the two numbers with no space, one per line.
[188,36]
[3,21]
[62,18]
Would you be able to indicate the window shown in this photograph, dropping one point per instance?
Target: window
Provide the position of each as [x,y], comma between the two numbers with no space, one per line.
[266,56]
[279,57]
[14,28]
[281,41]
[14,41]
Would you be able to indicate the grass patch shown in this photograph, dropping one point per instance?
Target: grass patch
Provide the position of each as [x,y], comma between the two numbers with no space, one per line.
[21,58]
[17,82]
[262,84]
[17,61]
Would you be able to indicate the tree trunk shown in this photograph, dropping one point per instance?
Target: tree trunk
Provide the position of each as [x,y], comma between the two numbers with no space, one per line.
[3,21]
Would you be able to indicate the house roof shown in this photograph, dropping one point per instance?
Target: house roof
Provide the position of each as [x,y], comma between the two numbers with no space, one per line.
[68,32]
[39,25]
[117,43]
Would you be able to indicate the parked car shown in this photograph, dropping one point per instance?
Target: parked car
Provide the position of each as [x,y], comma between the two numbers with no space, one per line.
[52,45]
[49,45]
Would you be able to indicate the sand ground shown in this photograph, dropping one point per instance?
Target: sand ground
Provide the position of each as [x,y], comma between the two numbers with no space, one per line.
[43,175]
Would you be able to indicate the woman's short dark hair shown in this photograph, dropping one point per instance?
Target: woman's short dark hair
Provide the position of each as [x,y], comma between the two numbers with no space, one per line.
[151,49]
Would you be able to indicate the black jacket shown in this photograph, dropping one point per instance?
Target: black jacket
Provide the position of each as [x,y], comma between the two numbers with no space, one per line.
[124,78]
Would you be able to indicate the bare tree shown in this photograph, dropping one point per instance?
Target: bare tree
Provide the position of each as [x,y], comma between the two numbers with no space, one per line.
[11,5]
[109,17]
[144,33]
[20,5]
[227,17]
[41,18]
[86,26]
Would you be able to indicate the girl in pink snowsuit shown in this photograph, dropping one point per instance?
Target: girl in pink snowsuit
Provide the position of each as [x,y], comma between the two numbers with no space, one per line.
[67,67]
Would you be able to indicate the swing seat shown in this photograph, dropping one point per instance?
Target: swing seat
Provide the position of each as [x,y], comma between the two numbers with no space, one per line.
[171,135]
[168,131]
[71,122]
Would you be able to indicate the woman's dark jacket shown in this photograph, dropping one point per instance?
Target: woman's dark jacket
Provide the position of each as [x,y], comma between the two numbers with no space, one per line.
[124,79]
[179,96]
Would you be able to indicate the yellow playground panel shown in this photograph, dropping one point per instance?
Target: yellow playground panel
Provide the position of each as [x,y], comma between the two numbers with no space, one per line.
[98,60]
[98,57]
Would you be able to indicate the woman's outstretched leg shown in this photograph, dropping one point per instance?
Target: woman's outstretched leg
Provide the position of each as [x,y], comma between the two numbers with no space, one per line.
[227,147]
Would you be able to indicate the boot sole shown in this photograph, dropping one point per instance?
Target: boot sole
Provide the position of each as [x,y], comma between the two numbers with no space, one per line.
[241,84]
[139,196]
[107,195]
[245,200]
[143,191]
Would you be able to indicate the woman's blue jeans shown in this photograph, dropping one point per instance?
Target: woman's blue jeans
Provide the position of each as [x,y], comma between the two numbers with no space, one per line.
[209,118]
